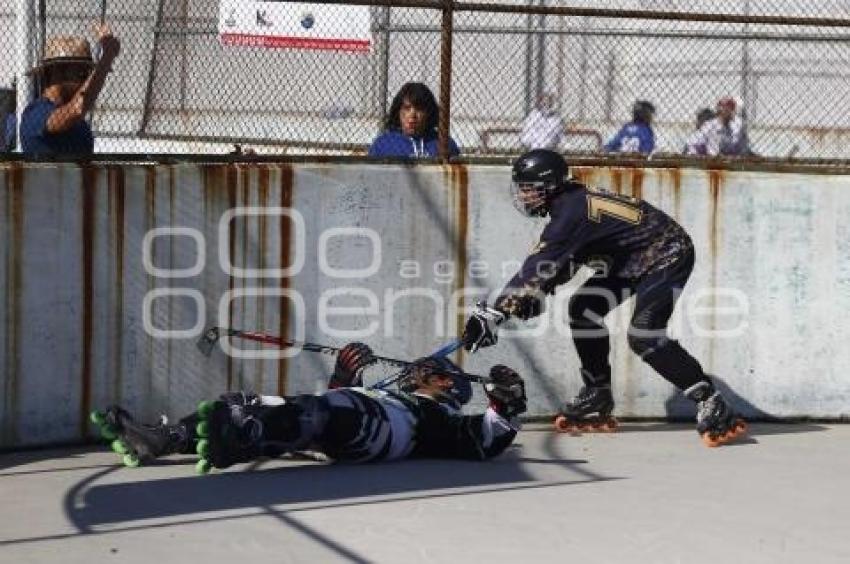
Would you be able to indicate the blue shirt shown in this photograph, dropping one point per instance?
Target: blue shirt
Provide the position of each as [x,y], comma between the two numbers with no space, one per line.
[35,140]
[8,133]
[394,143]
[632,138]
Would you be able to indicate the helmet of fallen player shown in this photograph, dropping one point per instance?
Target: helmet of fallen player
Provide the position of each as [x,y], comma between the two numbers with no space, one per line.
[537,176]
[456,390]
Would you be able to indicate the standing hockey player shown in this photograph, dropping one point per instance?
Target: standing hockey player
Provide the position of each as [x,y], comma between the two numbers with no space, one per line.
[351,424]
[639,251]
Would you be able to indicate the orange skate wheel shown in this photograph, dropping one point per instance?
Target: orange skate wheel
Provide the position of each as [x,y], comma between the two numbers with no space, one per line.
[611,425]
[741,426]
[563,425]
[711,441]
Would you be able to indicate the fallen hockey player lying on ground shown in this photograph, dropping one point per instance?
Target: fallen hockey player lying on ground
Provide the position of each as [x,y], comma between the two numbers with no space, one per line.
[348,423]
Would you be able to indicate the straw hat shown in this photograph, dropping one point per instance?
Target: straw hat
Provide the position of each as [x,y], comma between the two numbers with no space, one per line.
[62,50]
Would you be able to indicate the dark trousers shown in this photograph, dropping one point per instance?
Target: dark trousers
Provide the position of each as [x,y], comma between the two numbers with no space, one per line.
[655,297]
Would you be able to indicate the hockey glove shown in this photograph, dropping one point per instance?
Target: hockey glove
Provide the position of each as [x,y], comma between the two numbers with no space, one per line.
[506,391]
[350,363]
[481,328]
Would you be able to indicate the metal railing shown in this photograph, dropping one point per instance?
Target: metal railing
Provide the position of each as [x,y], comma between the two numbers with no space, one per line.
[178,88]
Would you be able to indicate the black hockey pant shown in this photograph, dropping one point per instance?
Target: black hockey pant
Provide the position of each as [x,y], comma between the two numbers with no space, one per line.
[655,298]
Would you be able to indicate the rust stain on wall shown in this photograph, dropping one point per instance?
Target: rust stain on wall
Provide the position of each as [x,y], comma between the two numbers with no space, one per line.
[89,202]
[13,299]
[286,196]
[215,190]
[715,182]
[676,181]
[247,175]
[232,177]
[150,222]
[459,192]
[263,174]
[581,174]
[637,183]
[616,175]
[172,214]
[116,194]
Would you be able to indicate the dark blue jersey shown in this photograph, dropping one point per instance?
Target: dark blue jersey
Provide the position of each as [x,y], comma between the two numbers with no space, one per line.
[616,235]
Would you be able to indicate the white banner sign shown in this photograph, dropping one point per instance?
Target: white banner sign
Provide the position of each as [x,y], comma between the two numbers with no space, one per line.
[294,25]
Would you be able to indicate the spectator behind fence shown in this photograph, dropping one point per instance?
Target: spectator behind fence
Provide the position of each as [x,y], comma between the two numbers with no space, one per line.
[543,128]
[636,136]
[411,127]
[70,83]
[696,142]
[8,121]
[725,134]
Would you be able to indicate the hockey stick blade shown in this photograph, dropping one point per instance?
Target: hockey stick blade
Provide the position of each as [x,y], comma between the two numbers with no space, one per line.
[208,340]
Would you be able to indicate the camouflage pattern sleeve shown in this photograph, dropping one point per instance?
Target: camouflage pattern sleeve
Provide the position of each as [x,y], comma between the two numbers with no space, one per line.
[549,265]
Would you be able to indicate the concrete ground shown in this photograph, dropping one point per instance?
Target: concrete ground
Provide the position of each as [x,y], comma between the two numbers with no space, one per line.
[650,493]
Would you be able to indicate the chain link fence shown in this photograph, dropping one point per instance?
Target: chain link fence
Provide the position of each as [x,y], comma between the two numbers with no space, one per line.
[185,82]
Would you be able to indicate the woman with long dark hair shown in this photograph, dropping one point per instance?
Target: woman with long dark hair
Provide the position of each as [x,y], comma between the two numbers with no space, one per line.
[411,126]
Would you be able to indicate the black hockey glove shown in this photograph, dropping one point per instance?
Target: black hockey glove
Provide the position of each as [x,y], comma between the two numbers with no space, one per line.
[481,328]
[506,391]
[350,363]
[240,398]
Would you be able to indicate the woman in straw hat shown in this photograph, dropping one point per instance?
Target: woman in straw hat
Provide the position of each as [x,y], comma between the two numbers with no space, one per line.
[70,82]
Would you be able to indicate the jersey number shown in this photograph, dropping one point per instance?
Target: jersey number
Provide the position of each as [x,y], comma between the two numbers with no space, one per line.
[621,209]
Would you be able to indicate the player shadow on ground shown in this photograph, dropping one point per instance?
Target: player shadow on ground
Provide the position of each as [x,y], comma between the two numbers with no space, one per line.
[279,484]
[22,457]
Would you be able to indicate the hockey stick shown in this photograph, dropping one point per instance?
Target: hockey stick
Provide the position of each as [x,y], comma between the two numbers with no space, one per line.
[212,335]
[445,350]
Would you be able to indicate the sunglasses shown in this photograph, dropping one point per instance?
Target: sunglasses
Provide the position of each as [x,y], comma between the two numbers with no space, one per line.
[71,73]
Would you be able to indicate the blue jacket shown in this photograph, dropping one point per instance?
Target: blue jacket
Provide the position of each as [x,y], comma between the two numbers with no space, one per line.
[9,131]
[632,138]
[35,140]
[394,143]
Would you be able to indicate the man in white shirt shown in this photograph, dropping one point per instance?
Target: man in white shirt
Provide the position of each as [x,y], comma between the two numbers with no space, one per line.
[725,134]
[543,128]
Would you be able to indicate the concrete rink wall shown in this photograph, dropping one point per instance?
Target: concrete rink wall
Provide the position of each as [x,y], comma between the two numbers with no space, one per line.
[386,254]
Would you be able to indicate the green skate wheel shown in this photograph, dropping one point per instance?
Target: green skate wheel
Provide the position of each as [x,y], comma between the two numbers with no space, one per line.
[97,417]
[203,466]
[203,448]
[108,433]
[203,429]
[120,447]
[131,460]
[205,408]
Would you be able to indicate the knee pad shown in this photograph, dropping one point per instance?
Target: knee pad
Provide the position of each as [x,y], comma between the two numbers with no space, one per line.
[645,345]
[584,324]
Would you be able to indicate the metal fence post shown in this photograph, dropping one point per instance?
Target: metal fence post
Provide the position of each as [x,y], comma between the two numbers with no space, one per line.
[446,77]
[24,28]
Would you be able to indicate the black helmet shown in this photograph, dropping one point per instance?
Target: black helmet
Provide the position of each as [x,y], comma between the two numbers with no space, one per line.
[537,176]
[461,390]
[643,111]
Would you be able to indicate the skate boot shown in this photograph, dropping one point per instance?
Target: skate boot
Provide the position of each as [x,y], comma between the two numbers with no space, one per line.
[233,432]
[139,443]
[228,433]
[717,423]
[594,398]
